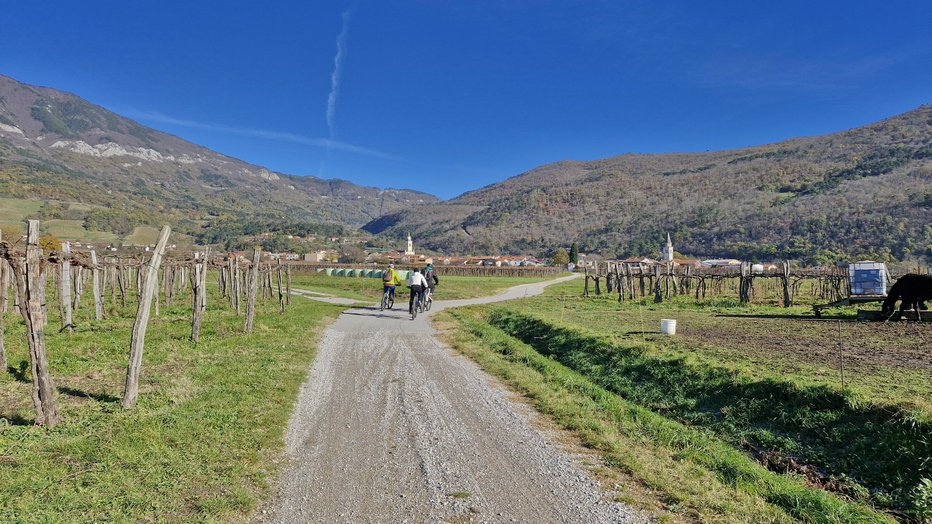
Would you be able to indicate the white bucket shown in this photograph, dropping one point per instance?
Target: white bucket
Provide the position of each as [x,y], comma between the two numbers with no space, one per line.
[668,326]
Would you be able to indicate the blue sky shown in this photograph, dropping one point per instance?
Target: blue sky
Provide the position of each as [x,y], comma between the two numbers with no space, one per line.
[445,96]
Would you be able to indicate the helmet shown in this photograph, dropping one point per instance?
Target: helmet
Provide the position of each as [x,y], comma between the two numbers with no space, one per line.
[391,266]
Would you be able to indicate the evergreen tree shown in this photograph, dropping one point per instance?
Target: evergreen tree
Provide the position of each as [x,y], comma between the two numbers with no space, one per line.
[574,253]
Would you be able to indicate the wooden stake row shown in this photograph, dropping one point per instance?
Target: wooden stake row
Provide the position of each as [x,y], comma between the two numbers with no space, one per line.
[29,272]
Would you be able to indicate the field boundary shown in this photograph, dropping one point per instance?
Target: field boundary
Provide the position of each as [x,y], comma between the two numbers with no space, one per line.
[658,452]
[822,433]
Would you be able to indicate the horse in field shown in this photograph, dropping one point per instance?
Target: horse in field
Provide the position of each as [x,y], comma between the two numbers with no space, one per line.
[913,290]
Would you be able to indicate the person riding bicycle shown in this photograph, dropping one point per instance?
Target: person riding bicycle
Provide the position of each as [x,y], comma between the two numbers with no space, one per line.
[390,280]
[416,284]
[431,276]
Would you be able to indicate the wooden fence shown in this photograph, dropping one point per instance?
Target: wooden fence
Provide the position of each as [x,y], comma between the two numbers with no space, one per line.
[666,281]
[146,279]
[442,270]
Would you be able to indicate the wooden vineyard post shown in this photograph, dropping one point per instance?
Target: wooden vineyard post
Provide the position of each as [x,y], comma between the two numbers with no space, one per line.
[252,287]
[139,278]
[231,295]
[238,284]
[288,284]
[658,294]
[198,285]
[221,282]
[131,391]
[103,280]
[112,279]
[95,288]
[64,288]
[157,296]
[78,277]
[195,299]
[4,289]
[281,293]
[268,282]
[31,275]
[744,284]
[234,289]
[121,281]
[620,284]
[205,265]
[166,285]
[787,298]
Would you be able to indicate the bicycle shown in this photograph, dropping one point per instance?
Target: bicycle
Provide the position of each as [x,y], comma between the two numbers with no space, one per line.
[428,299]
[387,301]
[417,305]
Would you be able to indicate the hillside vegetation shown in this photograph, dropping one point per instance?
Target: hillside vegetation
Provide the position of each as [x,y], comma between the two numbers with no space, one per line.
[55,146]
[865,192]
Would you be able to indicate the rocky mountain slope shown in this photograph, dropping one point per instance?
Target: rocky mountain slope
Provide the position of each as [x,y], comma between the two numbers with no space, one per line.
[55,145]
[866,192]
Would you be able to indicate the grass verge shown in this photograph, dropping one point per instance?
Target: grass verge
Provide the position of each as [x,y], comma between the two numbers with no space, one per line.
[200,445]
[698,476]
[869,452]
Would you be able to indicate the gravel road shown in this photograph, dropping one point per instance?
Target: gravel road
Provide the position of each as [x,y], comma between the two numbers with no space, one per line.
[394,426]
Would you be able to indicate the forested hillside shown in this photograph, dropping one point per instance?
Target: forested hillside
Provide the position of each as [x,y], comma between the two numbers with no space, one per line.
[865,192]
[57,146]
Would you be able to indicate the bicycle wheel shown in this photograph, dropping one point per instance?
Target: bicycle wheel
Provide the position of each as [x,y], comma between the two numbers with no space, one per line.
[384,302]
[391,302]
[414,309]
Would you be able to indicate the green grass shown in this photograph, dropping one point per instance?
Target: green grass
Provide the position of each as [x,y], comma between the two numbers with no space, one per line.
[143,235]
[74,230]
[865,447]
[15,210]
[884,363]
[766,380]
[203,440]
[695,475]
[370,289]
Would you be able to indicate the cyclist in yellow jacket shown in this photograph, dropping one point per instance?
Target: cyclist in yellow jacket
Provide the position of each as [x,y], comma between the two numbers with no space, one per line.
[390,280]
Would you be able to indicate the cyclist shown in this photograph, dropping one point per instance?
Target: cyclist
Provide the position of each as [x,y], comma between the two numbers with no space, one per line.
[416,284]
[390,280]
[431,277]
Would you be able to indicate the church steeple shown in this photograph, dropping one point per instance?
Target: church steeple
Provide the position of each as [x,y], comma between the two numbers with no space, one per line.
[410,248]
[667,251]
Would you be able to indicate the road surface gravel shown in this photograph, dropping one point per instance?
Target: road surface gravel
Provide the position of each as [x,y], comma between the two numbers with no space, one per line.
[394,426]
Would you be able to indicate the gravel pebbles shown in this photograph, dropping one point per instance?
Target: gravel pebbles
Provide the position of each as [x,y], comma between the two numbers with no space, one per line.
[393,426]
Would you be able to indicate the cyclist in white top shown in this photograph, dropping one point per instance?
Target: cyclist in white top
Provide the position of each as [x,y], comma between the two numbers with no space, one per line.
[416,284]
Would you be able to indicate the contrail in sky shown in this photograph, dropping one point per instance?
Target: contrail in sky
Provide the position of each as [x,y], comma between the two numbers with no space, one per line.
[327,143]
[335,77]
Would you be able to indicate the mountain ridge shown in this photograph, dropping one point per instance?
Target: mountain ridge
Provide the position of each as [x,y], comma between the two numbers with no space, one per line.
[865,191]
[56,145]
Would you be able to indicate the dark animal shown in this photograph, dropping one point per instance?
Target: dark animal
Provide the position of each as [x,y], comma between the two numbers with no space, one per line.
[913,290]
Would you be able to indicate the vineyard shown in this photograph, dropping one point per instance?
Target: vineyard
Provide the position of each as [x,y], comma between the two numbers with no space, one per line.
[239,282]
[784,286]
[207,428]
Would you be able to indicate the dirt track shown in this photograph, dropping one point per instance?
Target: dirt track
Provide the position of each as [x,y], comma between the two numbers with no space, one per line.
[393,426]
